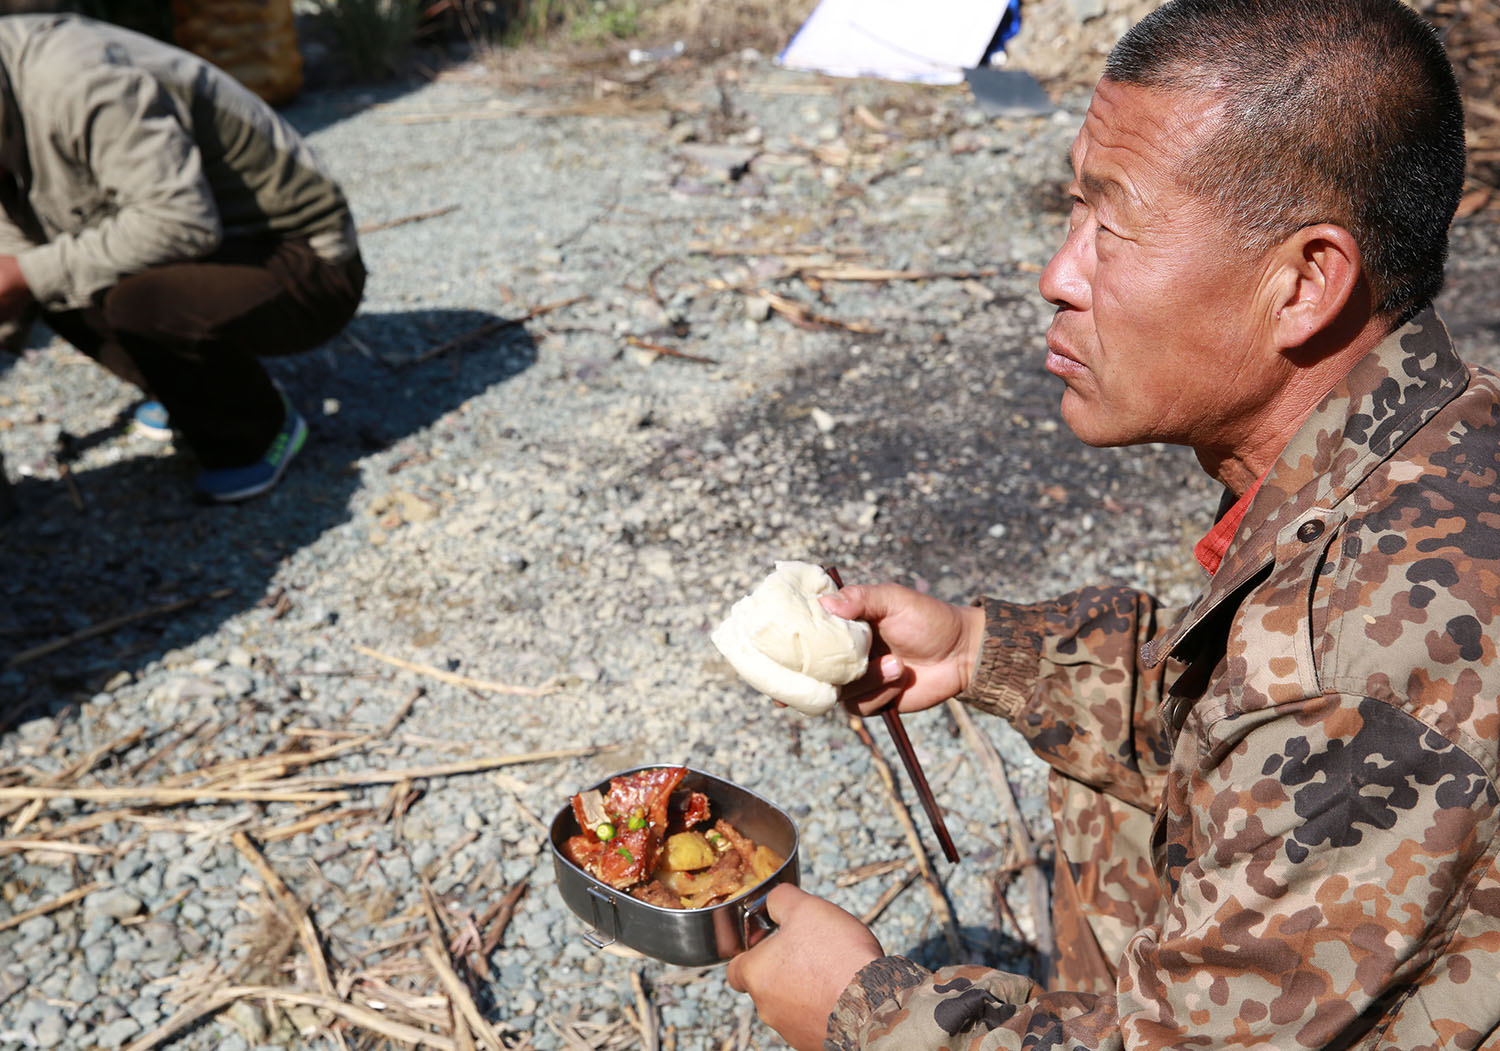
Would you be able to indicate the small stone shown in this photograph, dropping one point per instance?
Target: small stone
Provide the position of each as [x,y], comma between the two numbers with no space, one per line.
[112,902]
[238,684]
[249,1019]
[116,1033]
[51,1032]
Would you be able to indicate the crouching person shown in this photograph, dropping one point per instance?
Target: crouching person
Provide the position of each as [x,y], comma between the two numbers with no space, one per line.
[169,224]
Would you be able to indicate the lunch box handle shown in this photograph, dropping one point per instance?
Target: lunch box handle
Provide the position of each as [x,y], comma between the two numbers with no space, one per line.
[756,922]
[593,937]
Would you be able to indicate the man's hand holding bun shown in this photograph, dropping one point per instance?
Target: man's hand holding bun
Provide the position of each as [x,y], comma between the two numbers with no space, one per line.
[924,650]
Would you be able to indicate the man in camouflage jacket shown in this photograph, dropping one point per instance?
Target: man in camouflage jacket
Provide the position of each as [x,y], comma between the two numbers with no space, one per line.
[1276,809]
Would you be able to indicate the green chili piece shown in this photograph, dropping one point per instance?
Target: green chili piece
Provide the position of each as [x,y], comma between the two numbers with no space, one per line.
[636,821]
[627,855]
[604,830]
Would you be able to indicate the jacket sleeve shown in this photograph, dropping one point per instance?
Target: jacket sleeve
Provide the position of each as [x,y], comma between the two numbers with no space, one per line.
[116,122]
[1338,840]
[1068,676]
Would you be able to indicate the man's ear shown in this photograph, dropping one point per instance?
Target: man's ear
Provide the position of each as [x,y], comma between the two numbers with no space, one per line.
[1318,275]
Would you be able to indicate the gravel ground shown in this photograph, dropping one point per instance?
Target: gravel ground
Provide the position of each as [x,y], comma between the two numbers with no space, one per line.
[554,507]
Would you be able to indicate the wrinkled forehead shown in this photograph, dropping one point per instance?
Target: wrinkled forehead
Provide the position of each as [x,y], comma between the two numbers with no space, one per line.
[1134,134]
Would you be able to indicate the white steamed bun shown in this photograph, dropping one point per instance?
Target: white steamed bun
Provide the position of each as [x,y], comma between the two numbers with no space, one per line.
[785,644]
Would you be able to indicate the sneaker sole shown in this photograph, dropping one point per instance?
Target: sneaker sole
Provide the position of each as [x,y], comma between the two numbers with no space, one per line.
[156,434]
[299,436]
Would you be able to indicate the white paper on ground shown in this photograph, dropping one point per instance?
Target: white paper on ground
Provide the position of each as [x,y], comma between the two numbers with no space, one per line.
[932,42]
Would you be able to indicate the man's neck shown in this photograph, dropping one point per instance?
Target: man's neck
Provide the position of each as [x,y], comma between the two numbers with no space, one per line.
[1240,464]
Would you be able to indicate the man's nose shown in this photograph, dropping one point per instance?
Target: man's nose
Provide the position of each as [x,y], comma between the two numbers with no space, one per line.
[1066,280]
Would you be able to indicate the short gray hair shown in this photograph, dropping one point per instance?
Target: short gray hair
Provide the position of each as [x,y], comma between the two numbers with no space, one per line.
[1339,111]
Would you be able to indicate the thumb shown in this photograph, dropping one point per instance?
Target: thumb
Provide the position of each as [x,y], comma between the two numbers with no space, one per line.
[783,901]
[856,602]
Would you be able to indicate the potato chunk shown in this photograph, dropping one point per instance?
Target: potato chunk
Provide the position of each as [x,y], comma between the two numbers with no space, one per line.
[688,851]
[764,863]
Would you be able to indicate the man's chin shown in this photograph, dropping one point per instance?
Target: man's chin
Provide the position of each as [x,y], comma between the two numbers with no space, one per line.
[1090,425]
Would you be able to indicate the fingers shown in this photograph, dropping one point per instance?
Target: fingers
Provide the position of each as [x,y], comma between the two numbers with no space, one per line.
[880,686]
[735,975]
[783,900]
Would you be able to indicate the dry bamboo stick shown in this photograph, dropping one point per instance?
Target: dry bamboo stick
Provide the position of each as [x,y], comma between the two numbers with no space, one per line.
[666,351]
[462,766]
[166,749]
[277,833]
[104,627]
[942,909]
[417,217]
[460,995]
[15,846]
[646,1013]
[457,680]
[490,327]
[990,761]
[265,767]
[52,906]
[360,1016]
[872,273]
[401,713]
[802,315]
[1021,848]
[463,1037]
[498,917]
[292,907]
[167,796]
[860,873]
[83,765]
[890,894]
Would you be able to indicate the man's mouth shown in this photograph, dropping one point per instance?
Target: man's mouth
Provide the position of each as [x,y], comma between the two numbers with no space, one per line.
[1061,361]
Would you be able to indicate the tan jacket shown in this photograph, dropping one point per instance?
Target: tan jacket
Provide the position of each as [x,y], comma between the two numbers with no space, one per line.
[126,153]
[1317,736]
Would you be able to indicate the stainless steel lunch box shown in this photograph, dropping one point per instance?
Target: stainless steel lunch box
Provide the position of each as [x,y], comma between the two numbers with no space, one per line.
[688,937]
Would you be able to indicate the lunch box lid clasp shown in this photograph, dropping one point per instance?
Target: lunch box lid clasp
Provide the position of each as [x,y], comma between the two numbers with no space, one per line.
[604,917]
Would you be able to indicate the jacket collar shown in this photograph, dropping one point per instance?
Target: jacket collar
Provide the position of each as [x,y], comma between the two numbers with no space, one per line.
[1388,395]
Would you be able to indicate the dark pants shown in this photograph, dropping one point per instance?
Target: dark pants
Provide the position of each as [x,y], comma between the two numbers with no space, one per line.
[194,333]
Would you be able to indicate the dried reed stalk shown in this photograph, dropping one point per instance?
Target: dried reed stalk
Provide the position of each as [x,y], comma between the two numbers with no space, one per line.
[293,908]
[460,996]
[940,904]
[360,1016]
[106,626]
[168,796]
[52,906]
[1020,848]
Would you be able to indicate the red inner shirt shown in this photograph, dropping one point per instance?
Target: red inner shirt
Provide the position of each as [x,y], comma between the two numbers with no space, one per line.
[1212,548]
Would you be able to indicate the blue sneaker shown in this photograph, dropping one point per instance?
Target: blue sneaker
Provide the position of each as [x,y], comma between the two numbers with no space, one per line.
[150,419]
[225,485]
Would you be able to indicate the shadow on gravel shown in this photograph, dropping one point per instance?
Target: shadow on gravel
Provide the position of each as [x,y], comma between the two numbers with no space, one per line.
[987,947]
[118,562]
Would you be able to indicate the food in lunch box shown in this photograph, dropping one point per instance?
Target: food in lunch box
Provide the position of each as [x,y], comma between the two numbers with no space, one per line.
[784,643]
[645,836]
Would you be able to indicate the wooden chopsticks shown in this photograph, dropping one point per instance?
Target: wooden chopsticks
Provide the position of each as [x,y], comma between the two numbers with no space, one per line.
[908,755]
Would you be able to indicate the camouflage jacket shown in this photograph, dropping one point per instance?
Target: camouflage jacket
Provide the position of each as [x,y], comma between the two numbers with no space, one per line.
[1316,735]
